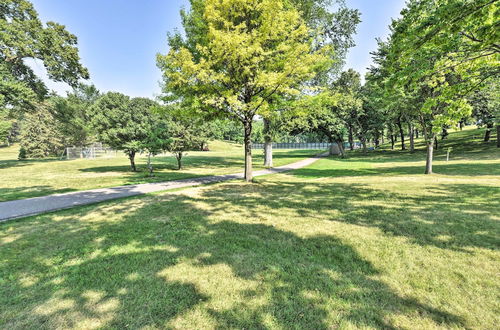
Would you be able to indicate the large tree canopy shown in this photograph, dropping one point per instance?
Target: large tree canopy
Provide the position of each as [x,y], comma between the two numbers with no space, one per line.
[122,123]
[23,36]
[251,51]
[439,51]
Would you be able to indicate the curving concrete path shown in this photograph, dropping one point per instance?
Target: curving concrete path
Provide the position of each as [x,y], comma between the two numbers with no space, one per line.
[37,205]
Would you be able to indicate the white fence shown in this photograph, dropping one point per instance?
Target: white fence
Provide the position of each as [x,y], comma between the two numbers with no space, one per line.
[312,145]
[89,152]
[284,145]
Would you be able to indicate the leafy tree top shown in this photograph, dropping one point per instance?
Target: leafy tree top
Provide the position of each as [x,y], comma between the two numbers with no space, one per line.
[252,51]
[22,36]
[121,122]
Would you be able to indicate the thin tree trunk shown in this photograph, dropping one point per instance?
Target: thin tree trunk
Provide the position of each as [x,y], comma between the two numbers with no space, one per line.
[351,138]
[248,151]
[412,137]
[268,144]
[416,133]
[487,133]
[150,166]
[178,156]
[131,157]
[363,143]
[340,144]
[402,134]
[430,151]
[392,141]
[498,136]
[436,142]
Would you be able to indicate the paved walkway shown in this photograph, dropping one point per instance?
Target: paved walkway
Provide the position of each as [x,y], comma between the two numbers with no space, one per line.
[32,206]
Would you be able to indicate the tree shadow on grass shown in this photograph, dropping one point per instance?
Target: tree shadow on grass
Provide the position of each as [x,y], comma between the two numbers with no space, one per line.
[463,213]
[114,270]
[464,169]
[8,194]
[20,163]
[206,161]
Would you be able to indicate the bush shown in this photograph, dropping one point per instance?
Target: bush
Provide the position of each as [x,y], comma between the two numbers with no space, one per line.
[22,154]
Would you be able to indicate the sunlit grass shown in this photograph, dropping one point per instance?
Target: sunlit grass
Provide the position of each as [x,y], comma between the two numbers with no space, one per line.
[357,243]
[32,178]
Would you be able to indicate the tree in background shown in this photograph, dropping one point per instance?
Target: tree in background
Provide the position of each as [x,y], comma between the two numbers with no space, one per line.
[9,128]
[485,104]
[440,51]
[325,114]
[122,123]
[40,134]
[250,52]
[183,137]
[23,36]
[73,114]
[157,140]
[224,129]
[349,85]
[184,132]
[332,24]
[5,129]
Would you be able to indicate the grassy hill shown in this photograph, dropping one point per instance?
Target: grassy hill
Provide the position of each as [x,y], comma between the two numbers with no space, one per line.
[366,242]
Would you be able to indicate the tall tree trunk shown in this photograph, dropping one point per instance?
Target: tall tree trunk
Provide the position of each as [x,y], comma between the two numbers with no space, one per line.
[430,152]
[351,138]
[402,134]
[498,135]
[412,137]
[416,133]
[268,144]
[131,157]
[436,142]
[487,133]
[179,160]
[248,150]
[392,141]
[150,165]
[340,144]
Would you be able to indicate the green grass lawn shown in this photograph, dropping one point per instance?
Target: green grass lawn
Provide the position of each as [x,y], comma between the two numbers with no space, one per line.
[366,242]
[33,178]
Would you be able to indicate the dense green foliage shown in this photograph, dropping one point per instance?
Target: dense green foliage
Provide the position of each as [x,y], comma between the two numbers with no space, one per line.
[41,134]
[72,112]
[24,36]
[438,53]
[123,123]
[250,52]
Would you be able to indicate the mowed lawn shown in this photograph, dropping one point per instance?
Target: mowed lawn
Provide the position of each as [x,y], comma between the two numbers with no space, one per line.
[366,242]
[33,178]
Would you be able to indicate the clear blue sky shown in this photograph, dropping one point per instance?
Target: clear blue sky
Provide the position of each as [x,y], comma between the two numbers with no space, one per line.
[118,39]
